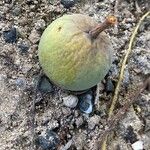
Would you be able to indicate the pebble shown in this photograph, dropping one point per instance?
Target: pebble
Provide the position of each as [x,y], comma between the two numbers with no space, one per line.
[70,101]
[86,104]
[44,85]
[10,36]
[114,71]
[40,24]
[16,11]
[130,136]
[126,78]
[34,37]
[23,47]
[138,145]
[26,68]
[93,121]
[52,124]
[48,140]
[109,85]
[68,3]
[79,121]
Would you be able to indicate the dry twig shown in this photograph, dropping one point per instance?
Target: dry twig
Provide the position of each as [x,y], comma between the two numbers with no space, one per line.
[104,145]
[130,98]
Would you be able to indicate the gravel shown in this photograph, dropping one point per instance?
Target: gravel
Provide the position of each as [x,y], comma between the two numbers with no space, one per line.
[63,123]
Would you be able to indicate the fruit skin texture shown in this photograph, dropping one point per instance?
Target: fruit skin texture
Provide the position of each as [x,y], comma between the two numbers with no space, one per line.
[70,57]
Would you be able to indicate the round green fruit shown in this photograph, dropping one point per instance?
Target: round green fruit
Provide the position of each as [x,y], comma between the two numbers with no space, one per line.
[75,53]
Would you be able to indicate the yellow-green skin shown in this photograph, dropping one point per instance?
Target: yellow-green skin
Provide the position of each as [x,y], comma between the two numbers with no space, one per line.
[68,55]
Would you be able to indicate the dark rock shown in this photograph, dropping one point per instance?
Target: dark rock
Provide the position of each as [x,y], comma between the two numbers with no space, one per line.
[44,85]
[48,141]
[10,36]
[130,136]
[109,85]
[23,47]
[86,103]
[68,3]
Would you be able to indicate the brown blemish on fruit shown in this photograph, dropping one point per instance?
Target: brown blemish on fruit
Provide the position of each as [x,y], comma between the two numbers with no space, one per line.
[59,29]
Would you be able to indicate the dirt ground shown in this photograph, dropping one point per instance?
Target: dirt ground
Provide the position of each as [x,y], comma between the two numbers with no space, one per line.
[34,114]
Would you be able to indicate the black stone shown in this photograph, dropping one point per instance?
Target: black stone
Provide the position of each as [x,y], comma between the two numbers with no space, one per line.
[44,85]
[86,103]
[23,47]
[130,136]
[68,3]
[109,86]
[49,141]
[10,36]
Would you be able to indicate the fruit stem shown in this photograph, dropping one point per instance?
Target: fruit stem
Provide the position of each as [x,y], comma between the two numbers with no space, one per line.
[110,20]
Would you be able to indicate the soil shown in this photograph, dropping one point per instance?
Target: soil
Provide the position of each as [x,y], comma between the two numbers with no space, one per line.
[33,114]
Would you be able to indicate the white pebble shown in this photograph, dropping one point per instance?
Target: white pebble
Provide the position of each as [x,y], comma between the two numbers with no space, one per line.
[70,101]
[138,145]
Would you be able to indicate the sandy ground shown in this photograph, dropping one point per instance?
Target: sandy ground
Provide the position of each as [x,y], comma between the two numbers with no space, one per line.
[22,82]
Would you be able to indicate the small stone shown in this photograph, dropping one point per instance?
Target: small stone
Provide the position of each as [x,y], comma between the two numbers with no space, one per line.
[48,140]
[86,104]
[70,101]
[138,145]
[93,121]
[16,11]
[68,3]
[109,85]
[23,47]
[126,78]
[10,36]
[79,121]
[130,136]
[44,85]
[40,24]
[26,68]
[114,71]
[53,124]
[34,37]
